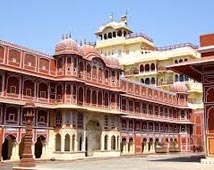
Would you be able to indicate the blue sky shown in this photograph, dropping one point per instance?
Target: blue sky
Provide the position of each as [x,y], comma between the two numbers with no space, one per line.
[39,24]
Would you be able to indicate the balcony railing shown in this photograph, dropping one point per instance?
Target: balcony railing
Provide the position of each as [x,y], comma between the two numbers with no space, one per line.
[172,47]
[134,35]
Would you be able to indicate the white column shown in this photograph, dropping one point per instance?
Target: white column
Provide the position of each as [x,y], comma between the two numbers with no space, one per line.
[109,143]
[62,143]
[44,154]
[15,151]
[76,145]
[102,138]
[33,149]
[83,142]
[145,147]
[152,148]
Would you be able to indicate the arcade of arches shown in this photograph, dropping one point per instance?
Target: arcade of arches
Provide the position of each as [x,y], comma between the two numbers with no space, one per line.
[78,135]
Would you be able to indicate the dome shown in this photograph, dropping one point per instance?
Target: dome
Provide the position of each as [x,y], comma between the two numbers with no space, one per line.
[179,87]
[66,46]
[113,62]
[86,49]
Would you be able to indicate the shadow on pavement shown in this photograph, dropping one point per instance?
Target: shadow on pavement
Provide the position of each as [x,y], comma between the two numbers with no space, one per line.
[194,158]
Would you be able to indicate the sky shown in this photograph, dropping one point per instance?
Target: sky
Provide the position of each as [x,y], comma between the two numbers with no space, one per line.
[39,24]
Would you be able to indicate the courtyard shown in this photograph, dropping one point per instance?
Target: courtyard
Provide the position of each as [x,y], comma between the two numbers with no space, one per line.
[150,162]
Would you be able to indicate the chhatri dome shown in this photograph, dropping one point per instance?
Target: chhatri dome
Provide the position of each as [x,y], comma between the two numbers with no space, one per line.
[179,87]
[66,46]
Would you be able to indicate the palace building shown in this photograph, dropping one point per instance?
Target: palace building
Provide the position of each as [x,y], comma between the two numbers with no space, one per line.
[142,61]
[84,105]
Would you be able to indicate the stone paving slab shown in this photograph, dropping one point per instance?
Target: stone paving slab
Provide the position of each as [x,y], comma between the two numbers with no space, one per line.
[150,162]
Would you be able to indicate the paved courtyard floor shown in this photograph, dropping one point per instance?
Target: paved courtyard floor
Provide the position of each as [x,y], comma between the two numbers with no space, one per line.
[150,162]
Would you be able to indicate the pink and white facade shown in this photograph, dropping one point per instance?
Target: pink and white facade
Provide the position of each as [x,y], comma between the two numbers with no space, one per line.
[84,107]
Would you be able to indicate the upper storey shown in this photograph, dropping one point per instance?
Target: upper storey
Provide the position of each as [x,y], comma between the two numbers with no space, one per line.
[76,64]
[116,39]
[70,62]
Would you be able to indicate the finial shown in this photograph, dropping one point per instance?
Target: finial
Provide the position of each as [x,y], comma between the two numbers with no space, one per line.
[111,17]
[66,36]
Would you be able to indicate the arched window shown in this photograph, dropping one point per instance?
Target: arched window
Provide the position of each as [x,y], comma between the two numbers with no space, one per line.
[153,80]
[113,143]
[123,144]
[176,78]
[185,59]
[80,143]
[181,78]
[58,119]
[142,81]
[59,92]
[67,142]
[114,34]
[176,61]
[130,144]
[119,33]
[11,116]
[100,98]
[141,68]
[80,96]
[105,36]
[43,90]
[152,67]
[88,71]
[68,89]
[106,100]
[28,88]
[80,120]
[13,85]
[81,68]
[124,33]
[147,67]
[147,81]
[94,97]
[180,61]
[58,142]
[106,122]
[106,142]
[94,72]
[109,35]
[106,74]
[88,95]
[74,91]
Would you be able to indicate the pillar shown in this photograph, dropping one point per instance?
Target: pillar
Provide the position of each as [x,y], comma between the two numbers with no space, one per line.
[44,153]
[62,143]
[152,147]
[146,147]
[15,151]
[109,143]
[27,157]
[102,141]
[33,149]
